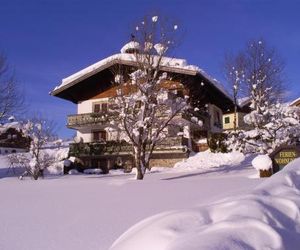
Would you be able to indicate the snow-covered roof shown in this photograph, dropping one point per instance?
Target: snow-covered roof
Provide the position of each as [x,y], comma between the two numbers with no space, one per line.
[130,46]
[167,63]
[244,101]
[6,126]
[11,118]
[295,102]
[215,82]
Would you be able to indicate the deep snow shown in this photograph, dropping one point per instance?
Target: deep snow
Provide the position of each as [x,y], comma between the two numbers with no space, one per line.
[266,218]
[92,211]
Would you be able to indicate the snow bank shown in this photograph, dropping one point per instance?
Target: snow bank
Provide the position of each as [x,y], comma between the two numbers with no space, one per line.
[73,172]
[92,171]
[59,154]
[262,162]
[207,159]
[266,218]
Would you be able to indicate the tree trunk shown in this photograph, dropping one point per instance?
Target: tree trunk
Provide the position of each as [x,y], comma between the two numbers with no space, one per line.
[139,173]
[138,164]
[235,118]
[35,174]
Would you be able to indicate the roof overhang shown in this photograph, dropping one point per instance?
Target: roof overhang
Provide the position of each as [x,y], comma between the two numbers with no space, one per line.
[295,102]
[75,85]
[116,59]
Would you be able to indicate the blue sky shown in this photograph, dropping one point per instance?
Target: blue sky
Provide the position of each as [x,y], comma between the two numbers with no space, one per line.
[46,41]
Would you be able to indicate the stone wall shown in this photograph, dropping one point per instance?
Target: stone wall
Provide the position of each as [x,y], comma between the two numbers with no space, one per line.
[169,163]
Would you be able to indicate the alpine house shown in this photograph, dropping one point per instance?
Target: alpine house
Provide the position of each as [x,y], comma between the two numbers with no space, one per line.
[98,144]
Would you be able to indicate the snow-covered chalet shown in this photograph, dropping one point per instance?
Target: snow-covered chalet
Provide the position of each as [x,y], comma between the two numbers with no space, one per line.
[91,89]
[12,140]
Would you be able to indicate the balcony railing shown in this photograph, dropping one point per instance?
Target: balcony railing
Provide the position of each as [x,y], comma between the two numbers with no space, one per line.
[115,147]
[88,119]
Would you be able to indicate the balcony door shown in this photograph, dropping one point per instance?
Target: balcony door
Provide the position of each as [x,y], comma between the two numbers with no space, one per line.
[99,136]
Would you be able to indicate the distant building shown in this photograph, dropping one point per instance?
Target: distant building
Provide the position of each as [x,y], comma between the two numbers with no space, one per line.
[243,109]
[12,139]
[91,89]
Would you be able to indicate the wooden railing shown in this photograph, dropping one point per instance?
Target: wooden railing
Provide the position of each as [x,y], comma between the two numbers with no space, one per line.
[88,119]
[115,147]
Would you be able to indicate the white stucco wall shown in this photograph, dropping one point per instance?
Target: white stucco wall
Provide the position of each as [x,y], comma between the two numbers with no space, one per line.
[87,106]
[239,120]
[86,136]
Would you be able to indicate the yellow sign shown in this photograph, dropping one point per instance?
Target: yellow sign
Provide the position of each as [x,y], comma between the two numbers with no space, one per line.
[285,157]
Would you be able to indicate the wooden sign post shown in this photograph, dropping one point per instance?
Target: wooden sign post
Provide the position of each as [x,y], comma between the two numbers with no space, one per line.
[284,155]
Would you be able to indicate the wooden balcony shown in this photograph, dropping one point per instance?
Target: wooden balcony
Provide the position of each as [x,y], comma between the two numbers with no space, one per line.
[88,119]
[117,147]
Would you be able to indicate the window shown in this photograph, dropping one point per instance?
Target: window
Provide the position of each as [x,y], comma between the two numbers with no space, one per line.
[227,119]
[100,107]
[99,136]
[96,108]
[104,107]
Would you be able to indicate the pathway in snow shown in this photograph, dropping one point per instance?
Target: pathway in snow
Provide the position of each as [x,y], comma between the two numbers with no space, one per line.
[91,211]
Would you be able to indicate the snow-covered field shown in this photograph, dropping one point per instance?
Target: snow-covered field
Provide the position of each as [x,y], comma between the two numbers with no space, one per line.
[92,211]
[267,217]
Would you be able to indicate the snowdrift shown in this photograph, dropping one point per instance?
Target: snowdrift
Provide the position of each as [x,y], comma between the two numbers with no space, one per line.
[207,159]
[203,161]
[266,218]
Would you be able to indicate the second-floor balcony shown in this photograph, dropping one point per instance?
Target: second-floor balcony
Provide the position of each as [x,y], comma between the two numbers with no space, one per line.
[88,119]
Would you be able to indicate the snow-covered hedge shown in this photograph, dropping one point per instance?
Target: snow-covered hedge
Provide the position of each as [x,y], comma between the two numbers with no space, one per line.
[266,218]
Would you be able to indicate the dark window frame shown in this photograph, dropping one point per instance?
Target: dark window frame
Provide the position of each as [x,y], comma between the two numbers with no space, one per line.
[227,120]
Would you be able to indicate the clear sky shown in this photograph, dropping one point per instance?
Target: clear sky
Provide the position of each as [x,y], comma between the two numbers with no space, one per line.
[48,40]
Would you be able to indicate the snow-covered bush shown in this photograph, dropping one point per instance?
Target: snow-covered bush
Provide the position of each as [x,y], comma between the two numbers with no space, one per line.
[51,159]
[217,143]
[40,133]
[275,126]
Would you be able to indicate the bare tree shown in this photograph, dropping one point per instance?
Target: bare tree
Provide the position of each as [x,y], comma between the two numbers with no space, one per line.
[144,105]
[234,73]
[11,98]
[262,71]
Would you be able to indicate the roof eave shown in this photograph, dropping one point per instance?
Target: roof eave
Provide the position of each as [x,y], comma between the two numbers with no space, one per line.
[178,70]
